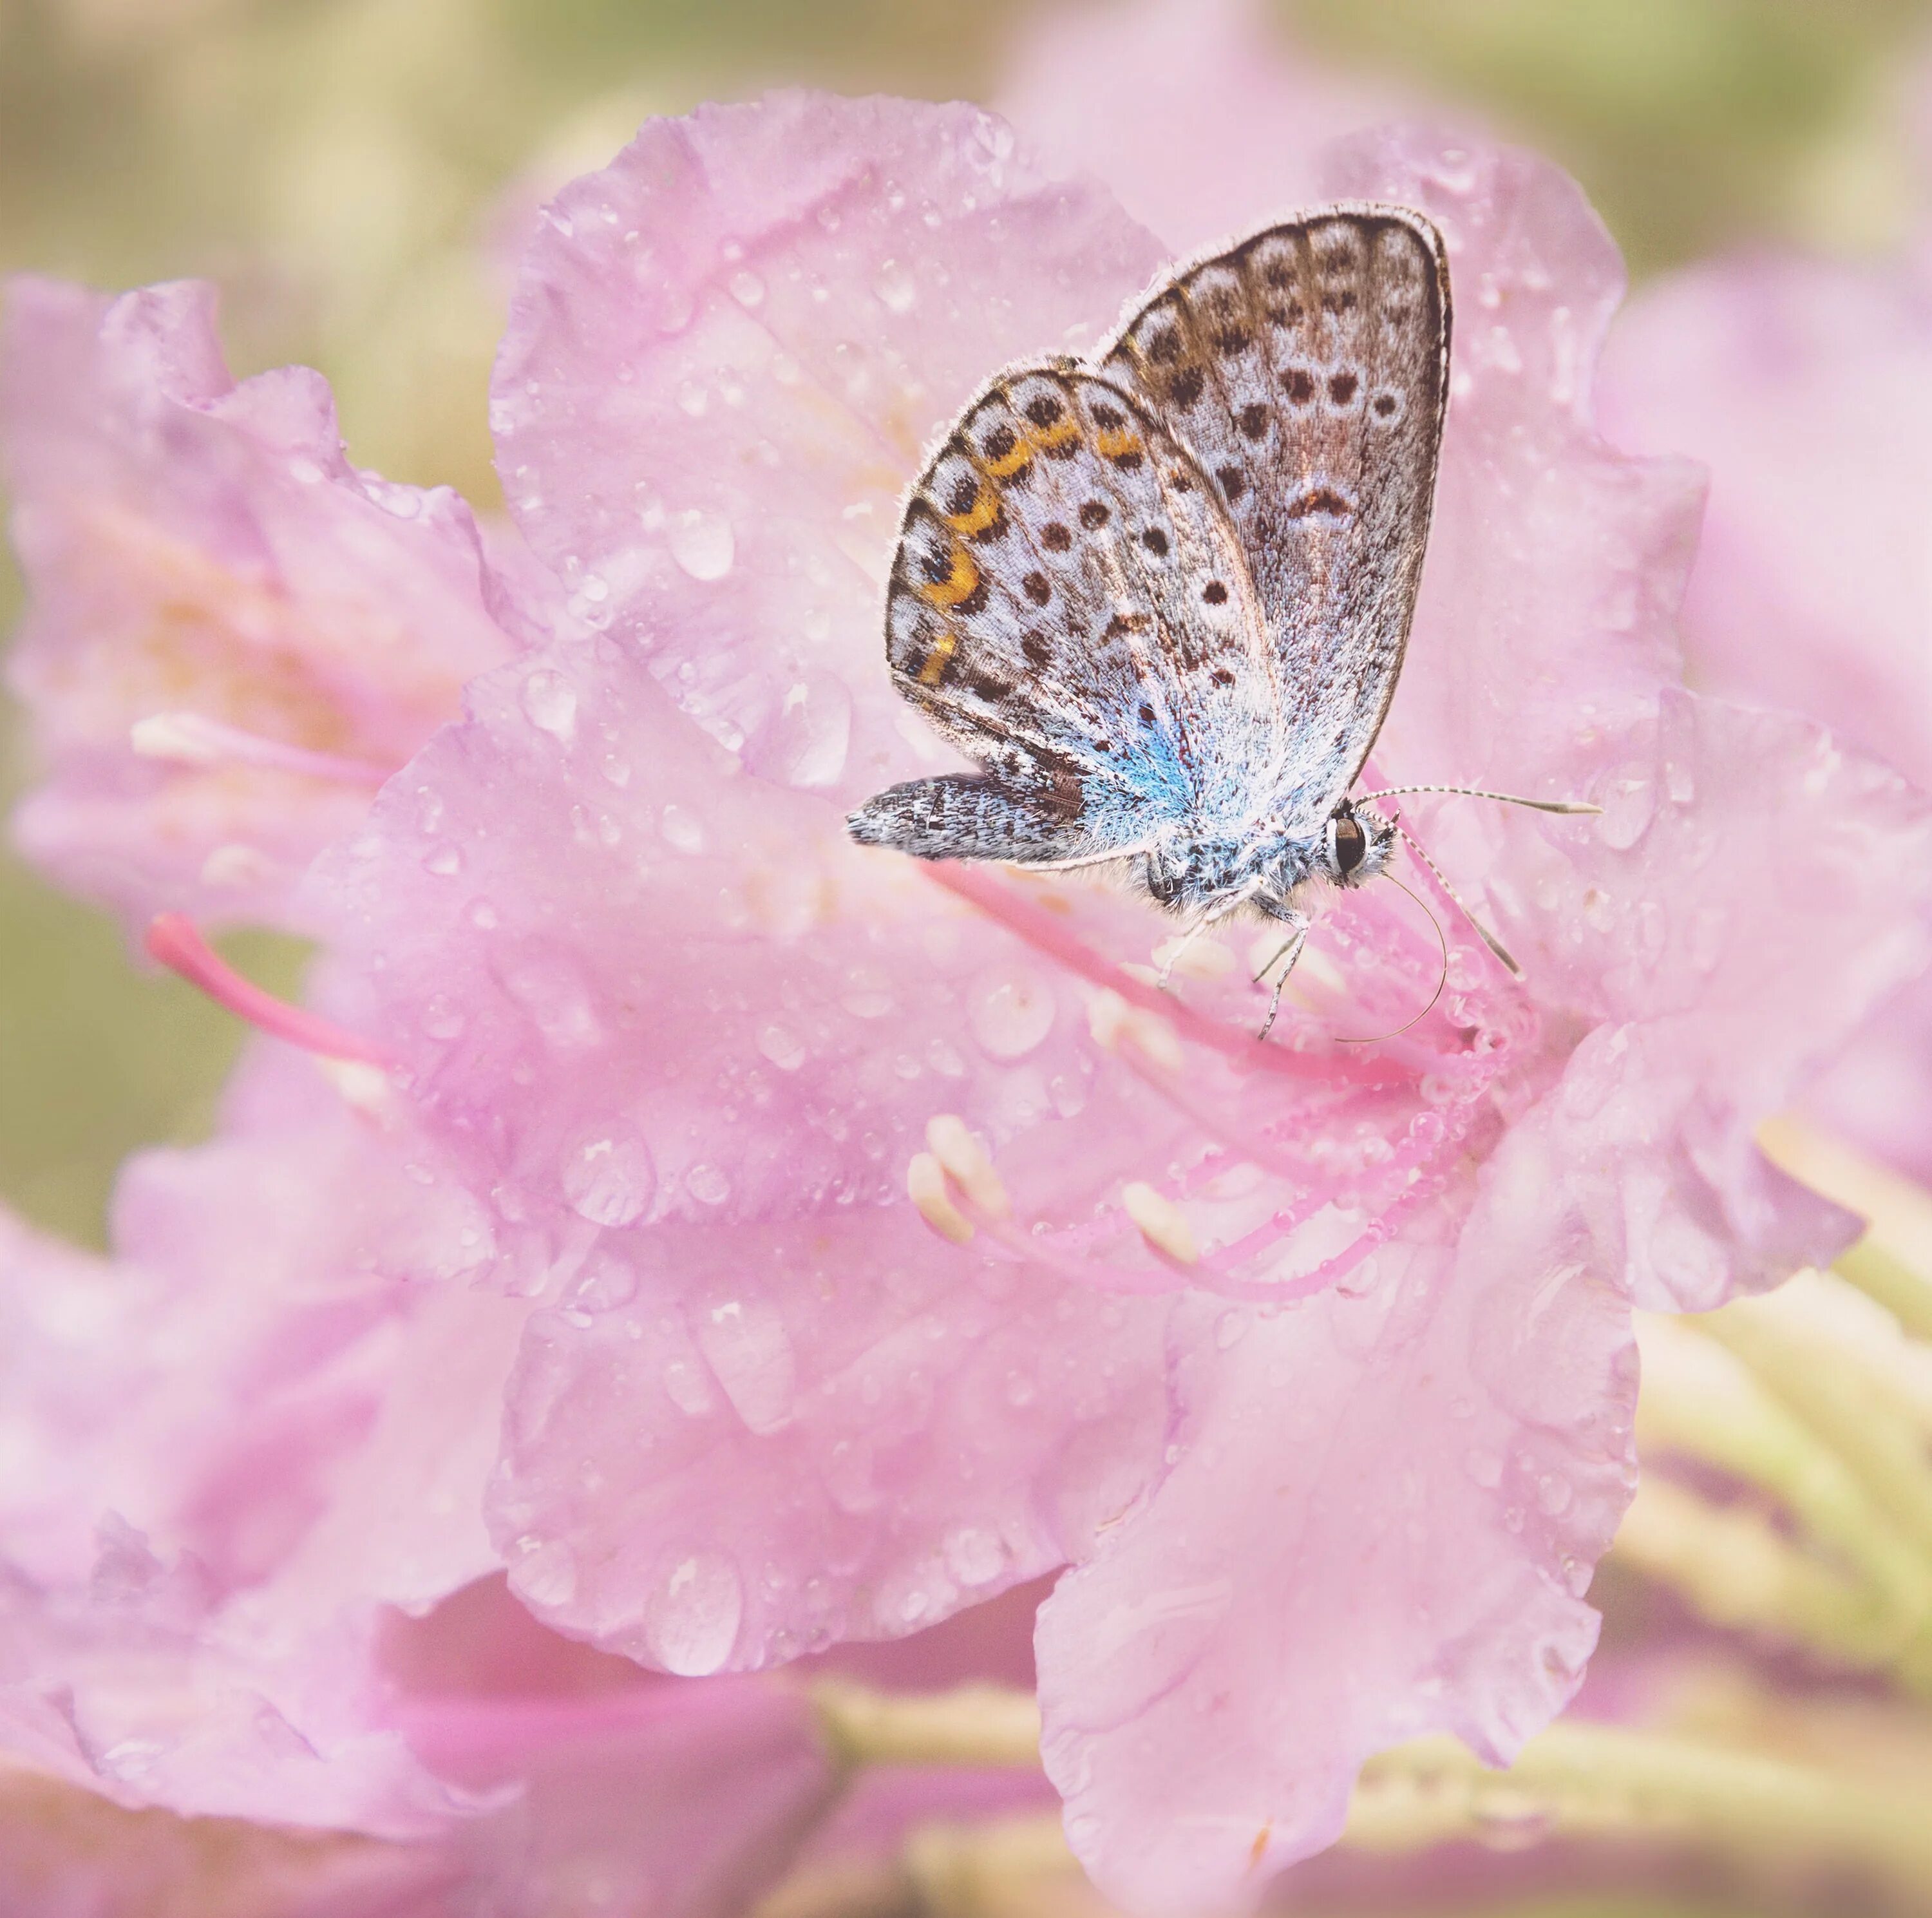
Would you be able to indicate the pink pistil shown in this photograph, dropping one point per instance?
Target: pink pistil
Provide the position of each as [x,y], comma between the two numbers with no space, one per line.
[173,939]
[1045,933]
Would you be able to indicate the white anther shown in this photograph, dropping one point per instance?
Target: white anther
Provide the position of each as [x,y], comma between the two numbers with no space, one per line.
[1159,1220]
[1111,1020]
[361,1085]
[186,739]
[234,867]
[967,1162]
[1194,958]
[925,1182]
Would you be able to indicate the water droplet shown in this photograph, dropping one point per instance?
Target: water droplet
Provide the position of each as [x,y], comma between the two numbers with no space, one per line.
[747,288]
[1628,799]
[690,1621]
[610,1178]
[445,861]
[304,471]
[895,287]
[750,1353]
[1010,1013]
[1229,1329]
[546,1575]
[702,543]
[693,398]
[707,1184]
[442,1018]
[682,831]
[812,733]
[550,702]
[1485,1468]
[974,1556]
[783,1047]
[606,1284]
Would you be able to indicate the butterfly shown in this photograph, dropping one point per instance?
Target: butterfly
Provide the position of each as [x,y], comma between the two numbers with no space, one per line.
[1161,596]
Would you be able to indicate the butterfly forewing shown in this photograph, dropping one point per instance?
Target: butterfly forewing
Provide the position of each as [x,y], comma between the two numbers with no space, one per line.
[1306,371]
[1069,604]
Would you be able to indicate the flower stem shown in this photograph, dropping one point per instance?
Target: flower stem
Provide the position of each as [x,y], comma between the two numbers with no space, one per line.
[1578,1779]
[974,1725]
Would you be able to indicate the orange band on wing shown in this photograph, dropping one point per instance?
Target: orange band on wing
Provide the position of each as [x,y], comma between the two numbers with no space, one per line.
[937,661]
[960,584]
[983,511]
[1117,444]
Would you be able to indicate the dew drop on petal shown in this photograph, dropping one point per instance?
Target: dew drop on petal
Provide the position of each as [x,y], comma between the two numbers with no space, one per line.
[606,1284]
[702,543]
[1010,1013]
[707,1184]
[1628,800]
[895,287]
[750,1353]
[974,1555]
[610,1178]
[691,1620]
[782,1046]
[747,288]
[442,1018]
[683,831]
[546,1576]
[550,705]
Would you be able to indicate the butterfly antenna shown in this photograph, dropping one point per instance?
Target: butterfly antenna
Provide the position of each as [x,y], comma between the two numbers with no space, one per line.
[1567,806]
[1441,978]
[1489,938]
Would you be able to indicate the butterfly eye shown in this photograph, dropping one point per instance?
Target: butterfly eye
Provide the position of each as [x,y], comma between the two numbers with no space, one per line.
[1347,842]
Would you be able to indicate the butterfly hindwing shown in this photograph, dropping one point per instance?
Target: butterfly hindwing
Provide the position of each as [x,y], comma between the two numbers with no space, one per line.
[1305,369]
[1069,604]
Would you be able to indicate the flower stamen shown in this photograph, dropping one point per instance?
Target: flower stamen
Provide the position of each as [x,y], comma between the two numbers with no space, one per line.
[1160,1221]
[193,739]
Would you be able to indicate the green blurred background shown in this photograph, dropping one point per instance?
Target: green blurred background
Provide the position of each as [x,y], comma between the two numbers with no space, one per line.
[335,164]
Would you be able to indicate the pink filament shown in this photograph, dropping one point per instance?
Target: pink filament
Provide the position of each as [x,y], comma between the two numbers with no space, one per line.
[173,939]
[1043,932]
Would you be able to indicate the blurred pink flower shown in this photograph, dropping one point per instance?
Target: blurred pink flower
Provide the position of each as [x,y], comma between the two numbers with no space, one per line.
[1201,116]
[1313,1359]
[233,636]
[1806,387]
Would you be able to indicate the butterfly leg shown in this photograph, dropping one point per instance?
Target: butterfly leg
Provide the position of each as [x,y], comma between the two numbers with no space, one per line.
[1212,916]
[1291,951]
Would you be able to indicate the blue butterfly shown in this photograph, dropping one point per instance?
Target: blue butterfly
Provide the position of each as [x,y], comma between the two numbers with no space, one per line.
[1162,596]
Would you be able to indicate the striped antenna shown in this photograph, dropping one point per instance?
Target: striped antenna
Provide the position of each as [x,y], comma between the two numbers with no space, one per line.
[1571,805]
[1488,937]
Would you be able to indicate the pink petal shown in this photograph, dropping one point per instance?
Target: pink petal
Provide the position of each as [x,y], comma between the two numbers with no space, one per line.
[1806,387]
[232,635]
[639,1793]
[726,355]
[1383,1517]
[1197,113]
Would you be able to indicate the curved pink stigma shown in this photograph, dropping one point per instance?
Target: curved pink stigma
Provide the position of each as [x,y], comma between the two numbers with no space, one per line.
[174,940]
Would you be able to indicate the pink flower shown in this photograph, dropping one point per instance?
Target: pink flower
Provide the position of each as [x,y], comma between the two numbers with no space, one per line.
[237,1458]
[234,636]
[1806,388]
[1312,1360]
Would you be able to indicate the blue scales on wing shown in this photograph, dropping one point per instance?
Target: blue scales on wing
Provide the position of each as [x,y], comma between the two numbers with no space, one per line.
[1306,370]
[1069,605]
